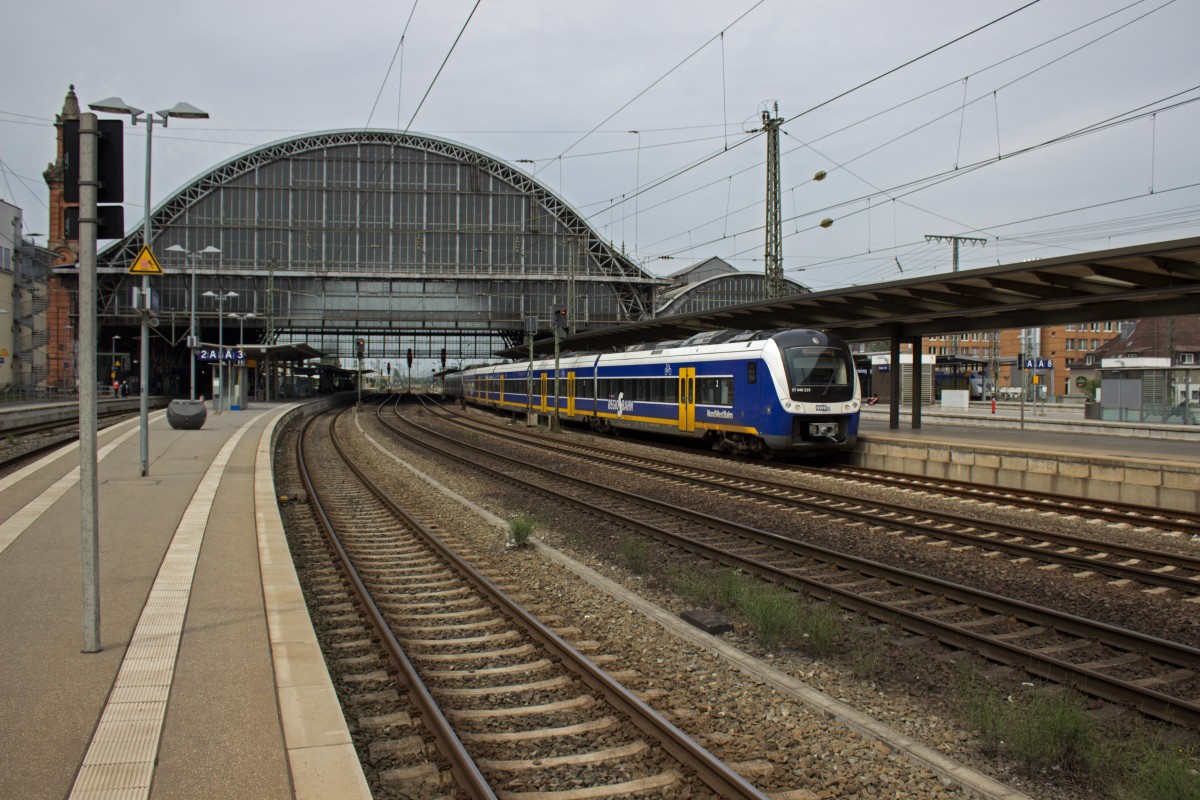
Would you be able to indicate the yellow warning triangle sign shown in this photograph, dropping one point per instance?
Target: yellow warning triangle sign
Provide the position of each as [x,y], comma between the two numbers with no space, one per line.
[145,264]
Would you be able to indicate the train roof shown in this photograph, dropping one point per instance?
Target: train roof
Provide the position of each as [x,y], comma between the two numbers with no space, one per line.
[703,338]
[706,337]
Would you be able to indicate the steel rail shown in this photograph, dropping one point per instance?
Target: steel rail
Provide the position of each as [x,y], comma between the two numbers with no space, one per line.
[1149,701]
[1146,575]
[463,767]
[40,450]
[713,772]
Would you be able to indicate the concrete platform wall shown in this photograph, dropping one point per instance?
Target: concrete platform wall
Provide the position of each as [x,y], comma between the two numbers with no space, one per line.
[1174,486]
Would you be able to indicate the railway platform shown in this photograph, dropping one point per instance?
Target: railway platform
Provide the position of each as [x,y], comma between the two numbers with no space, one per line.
[1151,465]
[209,682]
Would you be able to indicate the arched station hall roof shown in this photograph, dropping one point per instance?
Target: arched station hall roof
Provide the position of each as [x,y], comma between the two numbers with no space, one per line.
[354,162]
[715,292]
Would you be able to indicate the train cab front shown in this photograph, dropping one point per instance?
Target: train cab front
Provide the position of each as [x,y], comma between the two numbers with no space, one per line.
[823,396]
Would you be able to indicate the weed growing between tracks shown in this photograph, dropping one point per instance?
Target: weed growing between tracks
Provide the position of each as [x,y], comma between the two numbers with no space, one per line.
[520,530]
[636,554]
[777,615]
[1047,728]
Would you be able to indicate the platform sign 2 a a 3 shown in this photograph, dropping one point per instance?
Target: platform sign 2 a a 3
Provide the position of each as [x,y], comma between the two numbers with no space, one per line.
[215,354]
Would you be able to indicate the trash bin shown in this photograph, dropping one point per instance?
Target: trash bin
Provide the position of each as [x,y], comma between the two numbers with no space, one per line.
[1091,409]
[188,415]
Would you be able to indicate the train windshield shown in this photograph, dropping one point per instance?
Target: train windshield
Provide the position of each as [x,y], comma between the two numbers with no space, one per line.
[818,374]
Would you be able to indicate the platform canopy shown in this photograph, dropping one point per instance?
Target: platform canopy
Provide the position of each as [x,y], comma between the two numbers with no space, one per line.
[281,352]
[1152,280]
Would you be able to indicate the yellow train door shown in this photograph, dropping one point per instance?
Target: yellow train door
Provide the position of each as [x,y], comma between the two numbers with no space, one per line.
[545,407]
[687,399]
[570,394]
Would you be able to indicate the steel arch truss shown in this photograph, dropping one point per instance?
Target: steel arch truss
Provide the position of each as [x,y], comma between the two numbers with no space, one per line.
[633,288]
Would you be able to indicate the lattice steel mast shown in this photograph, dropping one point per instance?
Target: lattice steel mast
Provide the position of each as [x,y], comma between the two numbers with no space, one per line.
[773,251]
[954,242]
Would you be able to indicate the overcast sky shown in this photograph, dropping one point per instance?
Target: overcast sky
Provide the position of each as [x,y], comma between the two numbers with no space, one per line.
[609,97]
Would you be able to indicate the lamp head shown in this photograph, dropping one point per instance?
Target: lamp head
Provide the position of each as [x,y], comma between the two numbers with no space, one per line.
[184,111]
[115,105]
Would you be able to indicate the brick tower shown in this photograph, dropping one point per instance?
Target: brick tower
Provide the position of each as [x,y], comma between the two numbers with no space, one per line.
[62,314]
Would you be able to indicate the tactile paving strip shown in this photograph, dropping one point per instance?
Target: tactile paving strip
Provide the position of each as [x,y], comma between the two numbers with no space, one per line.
[120,759]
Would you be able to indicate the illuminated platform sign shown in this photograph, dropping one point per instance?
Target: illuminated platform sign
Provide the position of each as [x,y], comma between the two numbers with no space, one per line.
[214,354]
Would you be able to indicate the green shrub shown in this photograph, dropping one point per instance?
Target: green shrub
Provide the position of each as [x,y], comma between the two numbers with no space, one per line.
[1040,727]
[983,707]
[819,626]
[1156,772]
[773,612]
[1053,729]
[730,587]
[695,587]
[636,554]
[520,530]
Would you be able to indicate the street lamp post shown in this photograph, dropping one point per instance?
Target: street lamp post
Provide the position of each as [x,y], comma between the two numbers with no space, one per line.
[193,333]
[71,380]
[115,105]
[241,318]
[220,298]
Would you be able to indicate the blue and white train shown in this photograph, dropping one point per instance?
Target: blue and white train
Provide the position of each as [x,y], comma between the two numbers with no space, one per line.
[786,392]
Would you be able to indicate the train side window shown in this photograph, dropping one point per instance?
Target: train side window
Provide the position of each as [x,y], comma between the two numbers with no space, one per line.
[752,373]
[714,391]
[726,392]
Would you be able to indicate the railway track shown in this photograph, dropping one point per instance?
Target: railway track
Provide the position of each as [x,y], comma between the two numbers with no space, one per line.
[26,444]
[510,704]
[1154,676]
[1085,556]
